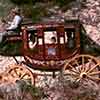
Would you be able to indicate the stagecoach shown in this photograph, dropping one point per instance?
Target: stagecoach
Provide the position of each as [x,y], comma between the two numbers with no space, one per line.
[51,47]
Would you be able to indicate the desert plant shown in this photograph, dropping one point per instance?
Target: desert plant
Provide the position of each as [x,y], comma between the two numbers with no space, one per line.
[21,90]
[28,89]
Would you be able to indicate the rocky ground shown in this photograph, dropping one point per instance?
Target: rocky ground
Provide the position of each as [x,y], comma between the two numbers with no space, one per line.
[91,19]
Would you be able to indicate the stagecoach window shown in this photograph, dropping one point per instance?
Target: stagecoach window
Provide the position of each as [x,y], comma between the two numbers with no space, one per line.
[50,37]
[70,38]
[32,38]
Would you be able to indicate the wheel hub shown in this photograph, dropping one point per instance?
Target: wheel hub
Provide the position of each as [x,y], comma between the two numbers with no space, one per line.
[83,75]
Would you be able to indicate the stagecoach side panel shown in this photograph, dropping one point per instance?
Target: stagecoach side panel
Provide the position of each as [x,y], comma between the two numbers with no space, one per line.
[54,43]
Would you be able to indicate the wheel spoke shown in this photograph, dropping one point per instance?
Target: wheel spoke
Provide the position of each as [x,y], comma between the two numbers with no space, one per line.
[93,68]
[93,78]
[77,68]
[74,71]
[15,72]
[66,66]
[78,79]
[89,65]
[77,63]
[70,66]
[72,74]
[83,64]
[94,73]
[22,76]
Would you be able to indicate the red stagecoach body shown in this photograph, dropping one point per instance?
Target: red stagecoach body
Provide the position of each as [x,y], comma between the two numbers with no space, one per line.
[47,46]
[53,46]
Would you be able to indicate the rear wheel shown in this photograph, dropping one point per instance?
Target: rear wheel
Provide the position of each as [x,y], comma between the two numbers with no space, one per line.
[83,67]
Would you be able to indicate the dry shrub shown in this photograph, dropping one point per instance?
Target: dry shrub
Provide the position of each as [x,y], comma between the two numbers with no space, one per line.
[21,90]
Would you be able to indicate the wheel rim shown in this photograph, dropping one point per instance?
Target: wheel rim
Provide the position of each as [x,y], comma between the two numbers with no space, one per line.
[83,67]
[17,72]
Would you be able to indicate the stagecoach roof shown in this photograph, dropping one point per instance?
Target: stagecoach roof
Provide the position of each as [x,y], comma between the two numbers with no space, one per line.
[50,24]
[29,21]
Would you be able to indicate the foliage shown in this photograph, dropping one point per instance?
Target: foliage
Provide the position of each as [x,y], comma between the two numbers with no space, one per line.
[35,9]
[35,13]
[28,90]
[21,90]
[6,48]
[63,2]
[5,6]
[21,2]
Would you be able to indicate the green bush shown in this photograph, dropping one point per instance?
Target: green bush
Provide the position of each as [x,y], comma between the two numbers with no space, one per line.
[34,12]
[21,2]
[63,2]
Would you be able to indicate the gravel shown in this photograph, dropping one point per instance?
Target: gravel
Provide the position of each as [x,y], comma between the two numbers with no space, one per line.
[90,17]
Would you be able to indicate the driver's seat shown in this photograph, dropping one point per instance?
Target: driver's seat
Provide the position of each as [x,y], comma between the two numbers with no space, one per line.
[15,33]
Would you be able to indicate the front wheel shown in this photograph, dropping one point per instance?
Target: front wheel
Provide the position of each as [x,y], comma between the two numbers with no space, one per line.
[18,72]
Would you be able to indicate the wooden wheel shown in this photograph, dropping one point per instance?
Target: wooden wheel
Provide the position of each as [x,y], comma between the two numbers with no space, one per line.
[3,78]
[83,67]
[18,72]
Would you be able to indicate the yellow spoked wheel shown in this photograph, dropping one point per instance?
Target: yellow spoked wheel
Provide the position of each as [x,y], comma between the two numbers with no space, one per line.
[3,78]
[18,72]
[83,67]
